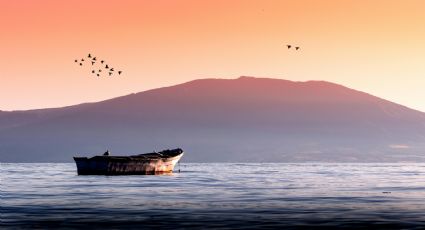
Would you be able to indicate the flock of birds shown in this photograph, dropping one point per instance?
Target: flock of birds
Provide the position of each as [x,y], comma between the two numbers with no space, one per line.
[96,70]
[290,46]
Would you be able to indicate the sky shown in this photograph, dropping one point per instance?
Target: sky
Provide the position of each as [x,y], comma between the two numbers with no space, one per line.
[375,46]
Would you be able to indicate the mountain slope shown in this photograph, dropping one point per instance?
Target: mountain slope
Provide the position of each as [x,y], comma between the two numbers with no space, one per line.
[244,119]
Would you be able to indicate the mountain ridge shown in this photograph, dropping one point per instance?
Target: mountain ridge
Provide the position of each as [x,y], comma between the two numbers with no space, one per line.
[243,119]
[206,79]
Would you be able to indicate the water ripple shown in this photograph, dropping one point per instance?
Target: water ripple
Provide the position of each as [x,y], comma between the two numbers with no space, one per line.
[246,196]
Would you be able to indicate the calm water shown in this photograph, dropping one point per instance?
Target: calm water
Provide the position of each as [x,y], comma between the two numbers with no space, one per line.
[245,196]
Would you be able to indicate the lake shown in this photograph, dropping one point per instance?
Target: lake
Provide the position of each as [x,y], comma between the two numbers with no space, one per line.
[216,195]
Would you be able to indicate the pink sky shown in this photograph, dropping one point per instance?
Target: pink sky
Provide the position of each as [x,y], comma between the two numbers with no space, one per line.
[376,46]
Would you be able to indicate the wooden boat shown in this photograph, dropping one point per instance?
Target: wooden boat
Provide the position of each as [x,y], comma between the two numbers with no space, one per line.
[142,164]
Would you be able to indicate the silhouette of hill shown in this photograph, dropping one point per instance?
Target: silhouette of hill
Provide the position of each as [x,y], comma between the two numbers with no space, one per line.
[224,120]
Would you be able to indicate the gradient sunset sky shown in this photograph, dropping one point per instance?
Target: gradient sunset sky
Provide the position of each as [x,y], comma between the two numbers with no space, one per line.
[376,46]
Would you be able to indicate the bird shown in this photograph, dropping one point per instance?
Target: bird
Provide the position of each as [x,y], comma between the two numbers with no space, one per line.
[89,56]
[102,61]
[297,48]
[100,70]
[82,59]
[289,46]
[93,71]
[119,72]
[81,63]
[92,63]
[98,75]
[106,67]
[112,69]
[110,73]
[94,59]
[76,60]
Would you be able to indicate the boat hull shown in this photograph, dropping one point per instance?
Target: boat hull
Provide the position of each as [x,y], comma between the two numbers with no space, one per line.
[105,165]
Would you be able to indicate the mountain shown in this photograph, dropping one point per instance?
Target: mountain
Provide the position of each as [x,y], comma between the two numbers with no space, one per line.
[224,120]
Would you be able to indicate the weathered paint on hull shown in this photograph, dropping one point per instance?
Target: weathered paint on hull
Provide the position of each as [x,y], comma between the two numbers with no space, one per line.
[106,166]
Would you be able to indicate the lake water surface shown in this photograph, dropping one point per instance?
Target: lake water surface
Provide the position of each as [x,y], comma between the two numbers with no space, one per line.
[220,196]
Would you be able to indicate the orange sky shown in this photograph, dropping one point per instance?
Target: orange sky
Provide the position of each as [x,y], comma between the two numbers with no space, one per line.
[373,46]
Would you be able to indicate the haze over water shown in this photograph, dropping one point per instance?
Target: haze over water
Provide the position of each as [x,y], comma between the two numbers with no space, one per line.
[231,195]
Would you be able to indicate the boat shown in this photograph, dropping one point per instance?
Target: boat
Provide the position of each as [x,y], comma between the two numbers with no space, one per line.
[142,164]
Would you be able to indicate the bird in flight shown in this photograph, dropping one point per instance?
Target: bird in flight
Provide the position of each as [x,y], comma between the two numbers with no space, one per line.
[102,61]
[289,46]
[112,69]
[94,59]
[110,73]
[93,71]
[81,63]
[297,48]
[119,72]
[76,60]
[92,63]
[89,56]
[106,67]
